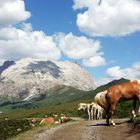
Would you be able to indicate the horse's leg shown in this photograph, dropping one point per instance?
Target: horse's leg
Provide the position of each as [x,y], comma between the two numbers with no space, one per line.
[107,115]
[111,112]
[97,114]
[134,107]
[139,107]
[134,104]
[139,110]
[100,114]
[88,111]
[139,103]
[107,118]
[92,113]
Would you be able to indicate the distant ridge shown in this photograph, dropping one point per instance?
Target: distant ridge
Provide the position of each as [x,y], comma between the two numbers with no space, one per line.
[59,96]
[114,82]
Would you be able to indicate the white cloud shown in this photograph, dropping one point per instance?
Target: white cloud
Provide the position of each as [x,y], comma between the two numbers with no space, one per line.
[116,72]
[8,33]
[78,47]
[95,61]
[81,47]
[12,12]
[108,17]
[17,43]
[130,73]
[20,42]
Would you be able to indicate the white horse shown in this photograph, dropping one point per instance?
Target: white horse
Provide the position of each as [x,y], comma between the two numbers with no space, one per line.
[97,111]
[93,110]
[86,107]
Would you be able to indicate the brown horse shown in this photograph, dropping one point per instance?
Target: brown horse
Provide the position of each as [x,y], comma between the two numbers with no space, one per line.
[128,91]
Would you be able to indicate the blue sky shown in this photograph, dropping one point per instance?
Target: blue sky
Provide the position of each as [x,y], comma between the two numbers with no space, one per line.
[115,33]
[52,16]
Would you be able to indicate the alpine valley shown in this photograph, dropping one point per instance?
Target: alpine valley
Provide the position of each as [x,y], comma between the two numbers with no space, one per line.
[33,87]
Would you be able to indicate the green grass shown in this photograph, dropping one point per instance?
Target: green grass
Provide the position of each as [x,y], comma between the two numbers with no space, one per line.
[32,132]
[9,128]
[61,100]
[67,108]
[135,120]
[123,110]
[50,99]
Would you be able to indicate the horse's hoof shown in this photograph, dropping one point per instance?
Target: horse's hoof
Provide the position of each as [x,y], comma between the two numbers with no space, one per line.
[113,125]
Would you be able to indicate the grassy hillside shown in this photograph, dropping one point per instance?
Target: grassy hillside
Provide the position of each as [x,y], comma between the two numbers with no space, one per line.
[114,82]
[60,100]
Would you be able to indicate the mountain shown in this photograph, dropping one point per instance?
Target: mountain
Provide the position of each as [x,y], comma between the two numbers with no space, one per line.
[59,96]
[29,78]
[59,100]
[5,65]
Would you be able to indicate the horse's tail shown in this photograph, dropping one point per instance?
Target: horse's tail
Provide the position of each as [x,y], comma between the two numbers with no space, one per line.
[101,99]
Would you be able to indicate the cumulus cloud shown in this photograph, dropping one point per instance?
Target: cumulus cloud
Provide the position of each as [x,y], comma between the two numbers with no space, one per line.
[116,72]
[94,61]
[17,43]
[108,17]
[22,41]
[8,33]
[130,73]
[12,12]
[81,47]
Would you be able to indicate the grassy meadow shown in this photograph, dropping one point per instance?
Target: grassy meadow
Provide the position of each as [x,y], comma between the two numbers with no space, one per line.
[61,100]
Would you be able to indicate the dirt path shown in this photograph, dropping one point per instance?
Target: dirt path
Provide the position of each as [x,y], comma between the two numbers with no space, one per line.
[85,130]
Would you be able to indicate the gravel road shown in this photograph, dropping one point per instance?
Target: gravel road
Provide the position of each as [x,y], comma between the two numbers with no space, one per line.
[90,130]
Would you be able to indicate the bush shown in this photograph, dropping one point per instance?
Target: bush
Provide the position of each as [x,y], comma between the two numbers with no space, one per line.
[10,128]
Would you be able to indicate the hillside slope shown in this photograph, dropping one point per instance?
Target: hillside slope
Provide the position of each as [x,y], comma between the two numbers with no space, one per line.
[60,100]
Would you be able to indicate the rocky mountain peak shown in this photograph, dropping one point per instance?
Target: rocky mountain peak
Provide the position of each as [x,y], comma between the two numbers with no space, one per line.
[27,74]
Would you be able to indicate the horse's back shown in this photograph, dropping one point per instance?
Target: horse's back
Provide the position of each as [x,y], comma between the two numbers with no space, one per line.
[126,90]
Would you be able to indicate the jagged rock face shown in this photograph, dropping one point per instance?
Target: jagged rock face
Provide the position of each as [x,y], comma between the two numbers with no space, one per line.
[28,75]
[5,65]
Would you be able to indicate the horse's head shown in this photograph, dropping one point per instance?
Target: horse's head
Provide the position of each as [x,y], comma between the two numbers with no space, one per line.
[82,106]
